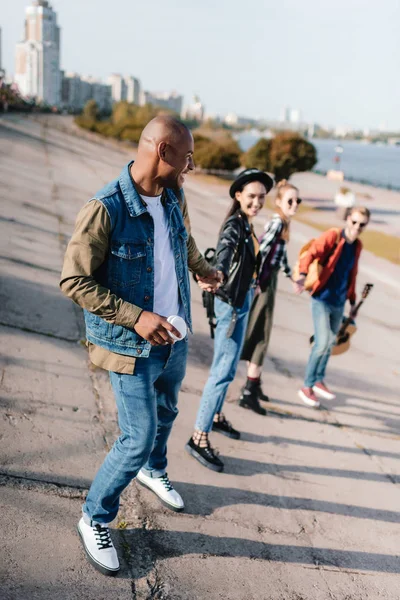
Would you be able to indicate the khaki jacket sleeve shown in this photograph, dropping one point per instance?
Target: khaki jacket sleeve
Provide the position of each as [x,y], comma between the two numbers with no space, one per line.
[86,251]
[196,261]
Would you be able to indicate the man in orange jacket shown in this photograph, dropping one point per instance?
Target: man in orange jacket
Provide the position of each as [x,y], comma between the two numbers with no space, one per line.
[339,255]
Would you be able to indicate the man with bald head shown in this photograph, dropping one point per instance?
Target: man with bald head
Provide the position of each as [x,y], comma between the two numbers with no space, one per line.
[127,265]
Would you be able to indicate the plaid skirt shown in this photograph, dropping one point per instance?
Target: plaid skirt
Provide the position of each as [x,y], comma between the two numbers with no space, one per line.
[260,322]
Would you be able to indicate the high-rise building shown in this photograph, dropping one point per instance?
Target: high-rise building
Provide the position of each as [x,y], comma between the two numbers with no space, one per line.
[71,92]
[295,115]
[195,111]
[285,114]
[124,88]
[169,100]
[37,70]
[97,91]
[118,87]
[132,89]
[77,90]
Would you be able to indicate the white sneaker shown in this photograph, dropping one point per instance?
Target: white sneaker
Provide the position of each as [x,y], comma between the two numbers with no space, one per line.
[308,397]
[322,391]
[99,548]
[163,488]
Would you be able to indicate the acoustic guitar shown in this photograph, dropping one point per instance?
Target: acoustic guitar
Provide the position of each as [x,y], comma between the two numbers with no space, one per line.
[348,328]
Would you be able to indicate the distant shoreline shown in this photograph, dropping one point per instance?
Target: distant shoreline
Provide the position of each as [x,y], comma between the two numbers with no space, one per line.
[370,182]
[368,164]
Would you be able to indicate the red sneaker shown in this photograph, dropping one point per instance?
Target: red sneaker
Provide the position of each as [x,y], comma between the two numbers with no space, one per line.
[323,392]
[308,397]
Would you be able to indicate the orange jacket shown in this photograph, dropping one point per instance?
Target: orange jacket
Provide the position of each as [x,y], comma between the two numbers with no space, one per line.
[325,248]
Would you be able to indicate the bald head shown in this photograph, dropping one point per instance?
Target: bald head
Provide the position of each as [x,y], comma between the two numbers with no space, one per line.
[166,151]
[164,128]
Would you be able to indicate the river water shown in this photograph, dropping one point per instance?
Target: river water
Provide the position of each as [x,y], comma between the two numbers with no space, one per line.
[374,164]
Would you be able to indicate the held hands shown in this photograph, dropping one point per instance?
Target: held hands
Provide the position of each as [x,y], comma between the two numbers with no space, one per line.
[299,285]
[154,328]
[212,282]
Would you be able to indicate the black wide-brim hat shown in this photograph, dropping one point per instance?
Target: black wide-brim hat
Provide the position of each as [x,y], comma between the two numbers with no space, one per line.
[247,176]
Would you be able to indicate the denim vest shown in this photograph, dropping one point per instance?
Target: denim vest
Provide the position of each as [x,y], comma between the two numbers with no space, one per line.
[128,270]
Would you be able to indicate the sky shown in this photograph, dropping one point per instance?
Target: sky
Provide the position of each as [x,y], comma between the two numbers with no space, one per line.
[338,62]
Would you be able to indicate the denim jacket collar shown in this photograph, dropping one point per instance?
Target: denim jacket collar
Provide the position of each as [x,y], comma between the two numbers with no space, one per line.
[132,198]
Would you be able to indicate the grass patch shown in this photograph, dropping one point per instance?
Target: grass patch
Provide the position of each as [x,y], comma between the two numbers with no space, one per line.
[381,244]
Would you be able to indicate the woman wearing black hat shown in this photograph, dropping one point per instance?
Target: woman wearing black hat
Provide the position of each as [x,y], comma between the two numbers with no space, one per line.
[237,258]
[273,258]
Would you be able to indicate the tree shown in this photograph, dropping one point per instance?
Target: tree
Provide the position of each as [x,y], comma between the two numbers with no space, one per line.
[222,154]
[291,153]
[131,134]
[257,157]
[199,139]
[283,155]
[209,155]
[127,119]
[90,111]
[145,113]
[122,111]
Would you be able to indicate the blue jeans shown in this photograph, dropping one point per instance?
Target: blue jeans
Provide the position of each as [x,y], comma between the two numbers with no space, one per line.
[147,407]
[327,320]
[225,361]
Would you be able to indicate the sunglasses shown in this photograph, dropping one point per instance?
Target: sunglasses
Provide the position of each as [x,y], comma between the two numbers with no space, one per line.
[361,224]
[298,201]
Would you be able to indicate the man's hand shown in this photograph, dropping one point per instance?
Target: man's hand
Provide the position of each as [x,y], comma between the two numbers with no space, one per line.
[212,282]
[154,329]
[299,285]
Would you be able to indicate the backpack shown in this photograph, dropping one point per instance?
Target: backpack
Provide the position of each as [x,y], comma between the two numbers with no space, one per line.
[315,268]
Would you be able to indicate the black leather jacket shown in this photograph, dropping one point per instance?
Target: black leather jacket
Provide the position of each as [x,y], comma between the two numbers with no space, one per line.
[235,257]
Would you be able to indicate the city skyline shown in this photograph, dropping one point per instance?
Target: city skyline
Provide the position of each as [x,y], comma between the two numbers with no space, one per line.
[39,77]
[37,64]
[336,76]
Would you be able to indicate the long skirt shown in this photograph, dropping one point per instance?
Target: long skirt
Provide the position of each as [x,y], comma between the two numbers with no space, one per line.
[260,322]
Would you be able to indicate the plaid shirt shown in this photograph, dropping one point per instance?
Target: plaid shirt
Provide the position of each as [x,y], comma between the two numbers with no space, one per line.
[271,238]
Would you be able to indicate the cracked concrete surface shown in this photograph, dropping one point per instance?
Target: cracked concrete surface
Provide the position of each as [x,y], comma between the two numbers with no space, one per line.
[308,506]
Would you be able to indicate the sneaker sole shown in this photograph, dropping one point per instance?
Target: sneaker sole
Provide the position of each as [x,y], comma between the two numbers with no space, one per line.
[308,401]
[226,434]
[247,407]
[323,395]
[202,460]
[98,566]
[164,502]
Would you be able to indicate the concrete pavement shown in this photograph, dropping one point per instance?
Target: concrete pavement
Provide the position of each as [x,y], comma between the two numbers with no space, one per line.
[308,507]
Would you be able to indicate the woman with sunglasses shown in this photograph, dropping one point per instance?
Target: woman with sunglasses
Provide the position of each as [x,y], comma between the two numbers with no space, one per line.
[273,258]
[237,258]
[339,253]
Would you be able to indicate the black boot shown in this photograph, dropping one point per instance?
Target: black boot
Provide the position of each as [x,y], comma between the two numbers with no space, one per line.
[205,455]
[249,397]
[261,395]
[225,427]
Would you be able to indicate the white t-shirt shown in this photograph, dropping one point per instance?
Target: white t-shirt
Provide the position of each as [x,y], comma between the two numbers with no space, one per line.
[166,290]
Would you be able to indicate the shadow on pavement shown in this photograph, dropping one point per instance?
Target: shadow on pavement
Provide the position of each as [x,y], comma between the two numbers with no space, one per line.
[282,441]
[205,499]
[168,544]
[246,468]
